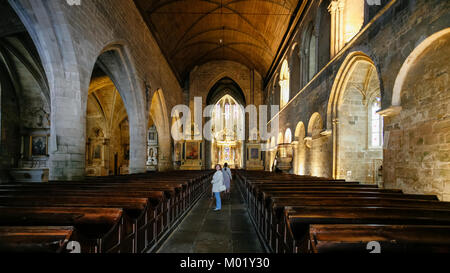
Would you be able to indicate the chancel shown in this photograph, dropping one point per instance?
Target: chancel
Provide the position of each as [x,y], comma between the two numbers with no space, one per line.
[117,116]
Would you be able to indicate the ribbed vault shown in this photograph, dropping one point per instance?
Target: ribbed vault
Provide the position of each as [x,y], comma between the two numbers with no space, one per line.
[193,32]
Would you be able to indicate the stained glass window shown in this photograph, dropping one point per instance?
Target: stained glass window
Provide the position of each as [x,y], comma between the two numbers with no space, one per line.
[284,84]
[376,125]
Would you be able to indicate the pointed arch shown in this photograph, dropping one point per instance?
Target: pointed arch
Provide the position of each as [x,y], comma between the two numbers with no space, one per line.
[299,149]
[341,80]
[234,80]
[288,136]
[353,119]
[116,62]
[315,125]
[54,44]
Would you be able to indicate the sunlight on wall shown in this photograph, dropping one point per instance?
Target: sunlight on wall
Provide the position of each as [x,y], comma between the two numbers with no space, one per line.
[301,169]
[354,18]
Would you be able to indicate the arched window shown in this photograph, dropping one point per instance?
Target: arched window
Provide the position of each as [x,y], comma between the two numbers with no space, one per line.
[309,54]
[280,138]
[227,111]
[284,84]
[376,125]
[217,113]
[288,136]
[312,56]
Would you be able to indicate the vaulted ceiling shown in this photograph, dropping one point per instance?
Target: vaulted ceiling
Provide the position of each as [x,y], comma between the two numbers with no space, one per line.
[193,32]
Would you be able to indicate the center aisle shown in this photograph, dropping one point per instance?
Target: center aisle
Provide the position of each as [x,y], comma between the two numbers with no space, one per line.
[206,231]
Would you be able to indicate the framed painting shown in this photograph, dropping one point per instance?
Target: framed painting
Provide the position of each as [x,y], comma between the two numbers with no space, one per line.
[192,150]
[97,152]
[38,145]
[254,153]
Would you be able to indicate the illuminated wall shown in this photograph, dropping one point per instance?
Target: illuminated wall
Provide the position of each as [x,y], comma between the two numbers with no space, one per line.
[418,156]
[318,149]
[299,149]
[347,19]
[359,152]
[107,129]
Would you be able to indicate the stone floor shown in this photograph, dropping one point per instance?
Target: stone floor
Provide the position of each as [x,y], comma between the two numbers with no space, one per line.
[206,231]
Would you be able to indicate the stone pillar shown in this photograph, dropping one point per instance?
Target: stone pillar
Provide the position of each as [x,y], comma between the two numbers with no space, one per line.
[332,9]
[295,156]
[138,144]
[68,129]
[335,170]
[341,40]
[337,41]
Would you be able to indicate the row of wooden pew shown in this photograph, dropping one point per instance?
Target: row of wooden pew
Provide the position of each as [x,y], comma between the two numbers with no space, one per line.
[120,214]
[302,214]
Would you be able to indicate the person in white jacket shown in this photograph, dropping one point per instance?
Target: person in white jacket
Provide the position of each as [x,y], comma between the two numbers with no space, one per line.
[218,186]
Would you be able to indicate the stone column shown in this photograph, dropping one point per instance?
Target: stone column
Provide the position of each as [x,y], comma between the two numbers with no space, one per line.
[341,40]
[332,9]
[335,149]
[295,156]
[68,128]
[337,41]
[138,144]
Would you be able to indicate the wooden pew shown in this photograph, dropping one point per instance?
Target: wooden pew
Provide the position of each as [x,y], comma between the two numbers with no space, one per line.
[164,195]
[300,219]
[190,189]
[135,211]
[35,239]
[269,220]
[392,238]
[150,223]
[157,211]
[270,196]
[99,226]
[274,224]
[253,186]
[256,190]
[258,202]
[143,220]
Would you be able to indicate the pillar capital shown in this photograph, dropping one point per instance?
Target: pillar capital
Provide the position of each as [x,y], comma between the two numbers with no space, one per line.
[333,6]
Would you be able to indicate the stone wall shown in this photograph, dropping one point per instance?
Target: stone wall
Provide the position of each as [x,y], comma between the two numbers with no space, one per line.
[69,39]
[357,159]
[386,39]
[418,154]
[10,128]
[203,78]
[25,103]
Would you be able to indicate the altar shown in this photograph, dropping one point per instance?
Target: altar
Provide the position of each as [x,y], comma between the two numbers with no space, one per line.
[33,162]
